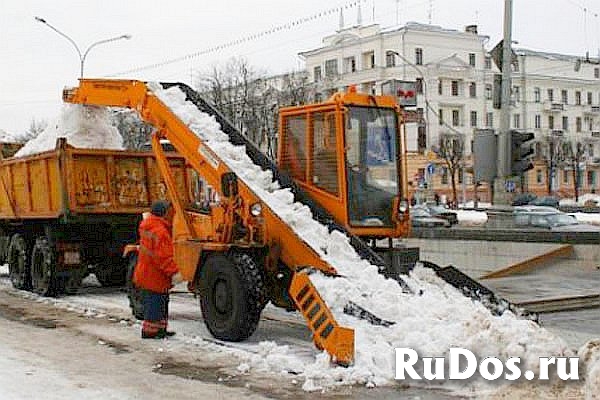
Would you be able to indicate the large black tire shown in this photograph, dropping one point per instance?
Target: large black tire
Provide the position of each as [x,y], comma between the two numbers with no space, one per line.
[112,273]
[232,295]
[18,262]
[134,294]
[43,268]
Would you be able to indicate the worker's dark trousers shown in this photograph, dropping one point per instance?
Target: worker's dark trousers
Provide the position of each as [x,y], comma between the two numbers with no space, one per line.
[156,312]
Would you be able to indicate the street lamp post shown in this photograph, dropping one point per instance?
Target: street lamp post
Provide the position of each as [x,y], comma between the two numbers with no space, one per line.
[82,56]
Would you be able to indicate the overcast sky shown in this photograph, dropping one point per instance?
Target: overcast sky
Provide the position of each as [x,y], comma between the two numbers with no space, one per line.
[37,63]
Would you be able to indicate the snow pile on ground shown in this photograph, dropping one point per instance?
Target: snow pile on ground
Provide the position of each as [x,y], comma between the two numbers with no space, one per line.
[430,323]
[471,217]
[83,126]
[590,357]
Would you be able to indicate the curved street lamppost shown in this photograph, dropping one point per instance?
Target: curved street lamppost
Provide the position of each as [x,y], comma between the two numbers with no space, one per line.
[82,56]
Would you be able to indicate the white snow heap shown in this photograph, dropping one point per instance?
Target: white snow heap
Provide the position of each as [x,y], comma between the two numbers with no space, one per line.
[430,323]
[84,127]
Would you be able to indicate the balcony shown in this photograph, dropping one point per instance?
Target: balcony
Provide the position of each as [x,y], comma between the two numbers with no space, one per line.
[557,132]
[596,134]
[553,107]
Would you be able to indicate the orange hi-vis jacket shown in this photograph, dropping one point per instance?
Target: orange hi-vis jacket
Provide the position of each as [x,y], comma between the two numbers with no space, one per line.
[155,265]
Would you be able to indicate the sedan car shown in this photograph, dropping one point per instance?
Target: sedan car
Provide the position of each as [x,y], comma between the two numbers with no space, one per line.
[556,222]
[548,201]
[441,212]
[419,217]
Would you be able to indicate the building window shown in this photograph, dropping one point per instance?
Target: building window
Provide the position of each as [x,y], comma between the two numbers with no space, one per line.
[349,64]
[551,121]
[565,176]
[596,72]
[419,56]
[538,121]
[517,121]
[578,124]
[591,149]
[454,88]
[455,118]
[460,174]
[488,62]
[488,91]
[440,87]
[473,119]
[539,177]
[390,59]
[440,117]
[421,139]
[565,123]
[317,73]
[550,95]
[489,120]
[368,60]
[331,68]
[578,98]
[515,66]
[445,176]
[564,96]
[589,98]
[591,179]
[537,95]
[419,85]
[472,89]
[516,93]
[472,59]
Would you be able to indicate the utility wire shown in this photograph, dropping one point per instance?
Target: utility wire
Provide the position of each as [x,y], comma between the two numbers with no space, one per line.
[250,38]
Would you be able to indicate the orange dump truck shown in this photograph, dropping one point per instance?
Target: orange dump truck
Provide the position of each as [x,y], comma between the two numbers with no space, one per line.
[67,212]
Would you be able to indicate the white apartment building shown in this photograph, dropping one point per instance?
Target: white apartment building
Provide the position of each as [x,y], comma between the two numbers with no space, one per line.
[453,71]
[555,96]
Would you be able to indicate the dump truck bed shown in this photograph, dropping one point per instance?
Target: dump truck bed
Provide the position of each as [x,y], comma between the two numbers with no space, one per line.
[68,181]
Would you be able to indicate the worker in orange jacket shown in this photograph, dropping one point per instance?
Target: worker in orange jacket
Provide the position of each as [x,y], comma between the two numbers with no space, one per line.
[156,272]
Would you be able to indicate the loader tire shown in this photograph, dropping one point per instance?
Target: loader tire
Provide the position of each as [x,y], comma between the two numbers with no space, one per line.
[18,262]
[134,294]
[232,296]
[43,268]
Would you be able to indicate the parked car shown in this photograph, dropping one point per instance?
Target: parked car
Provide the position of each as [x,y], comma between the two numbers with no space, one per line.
[549,201]
[419,217]
[556,222]
[441,212]
[528,208]
[523,199]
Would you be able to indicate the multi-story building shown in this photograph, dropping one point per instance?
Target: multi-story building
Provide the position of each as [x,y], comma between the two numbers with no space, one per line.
[554,96]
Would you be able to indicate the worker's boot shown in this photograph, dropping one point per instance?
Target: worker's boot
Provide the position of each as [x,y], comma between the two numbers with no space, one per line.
[165,333]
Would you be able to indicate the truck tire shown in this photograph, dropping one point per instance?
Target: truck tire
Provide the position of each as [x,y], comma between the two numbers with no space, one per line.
[4,243]
[18,262]
[134,294]
[232,295]
[43,268]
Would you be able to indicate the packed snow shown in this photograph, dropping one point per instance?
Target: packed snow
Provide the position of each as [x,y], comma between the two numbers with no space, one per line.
[82,126]
[431,322]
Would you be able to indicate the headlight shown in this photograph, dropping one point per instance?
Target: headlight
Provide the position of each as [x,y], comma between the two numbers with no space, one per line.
[256,209]
[403,206]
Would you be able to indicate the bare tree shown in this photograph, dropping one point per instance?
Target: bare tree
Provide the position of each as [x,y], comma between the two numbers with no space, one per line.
[574,154]
[554,158]
[452,151]
[35,128]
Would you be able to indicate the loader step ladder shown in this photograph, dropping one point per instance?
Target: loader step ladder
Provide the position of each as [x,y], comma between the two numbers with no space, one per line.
[338,341]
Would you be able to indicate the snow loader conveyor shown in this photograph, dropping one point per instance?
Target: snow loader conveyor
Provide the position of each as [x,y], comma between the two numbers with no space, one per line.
[240,250]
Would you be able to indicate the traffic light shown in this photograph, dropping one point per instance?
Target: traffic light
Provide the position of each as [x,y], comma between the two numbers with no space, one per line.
[521,149]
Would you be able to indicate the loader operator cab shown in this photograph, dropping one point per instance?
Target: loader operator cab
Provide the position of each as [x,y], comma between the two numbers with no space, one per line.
[346,153]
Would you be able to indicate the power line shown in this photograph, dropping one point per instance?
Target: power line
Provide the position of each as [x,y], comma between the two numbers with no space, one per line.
[250,38]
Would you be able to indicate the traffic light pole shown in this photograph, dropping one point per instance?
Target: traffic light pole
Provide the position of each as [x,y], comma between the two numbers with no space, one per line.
[504,156]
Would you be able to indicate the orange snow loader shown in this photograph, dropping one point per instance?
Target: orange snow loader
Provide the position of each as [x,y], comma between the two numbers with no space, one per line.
[344,158]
